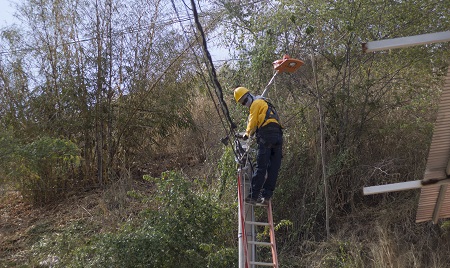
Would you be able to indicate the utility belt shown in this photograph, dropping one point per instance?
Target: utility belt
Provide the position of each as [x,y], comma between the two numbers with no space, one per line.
[271,127]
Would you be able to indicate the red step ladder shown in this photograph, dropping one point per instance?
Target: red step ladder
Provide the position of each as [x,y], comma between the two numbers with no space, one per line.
[248,230]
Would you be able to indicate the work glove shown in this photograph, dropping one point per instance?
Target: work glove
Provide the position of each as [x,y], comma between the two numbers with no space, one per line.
[242,136]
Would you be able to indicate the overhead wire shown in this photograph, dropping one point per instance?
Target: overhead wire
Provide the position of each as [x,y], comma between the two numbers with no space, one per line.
[179,19]
[130,30]
[213,76]
[211,69]
[199,65]
[126,30]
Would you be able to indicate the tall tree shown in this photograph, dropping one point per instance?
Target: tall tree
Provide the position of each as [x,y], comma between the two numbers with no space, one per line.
[114,81]
[360,94]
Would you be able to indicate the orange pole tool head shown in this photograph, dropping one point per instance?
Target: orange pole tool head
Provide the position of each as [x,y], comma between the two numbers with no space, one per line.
[287,64]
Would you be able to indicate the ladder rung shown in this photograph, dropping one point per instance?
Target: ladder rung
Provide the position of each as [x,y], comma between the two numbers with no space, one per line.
[260,243]
[257,223]
[256,204]
[261,263]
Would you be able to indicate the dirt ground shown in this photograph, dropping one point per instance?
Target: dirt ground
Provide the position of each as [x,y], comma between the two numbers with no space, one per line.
[22,224]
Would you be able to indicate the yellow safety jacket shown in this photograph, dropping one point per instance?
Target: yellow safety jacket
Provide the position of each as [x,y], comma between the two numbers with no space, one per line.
[258,116]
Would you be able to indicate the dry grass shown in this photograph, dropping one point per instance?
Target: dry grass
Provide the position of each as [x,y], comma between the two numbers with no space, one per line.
[383,236]
[188,150]
[22,224]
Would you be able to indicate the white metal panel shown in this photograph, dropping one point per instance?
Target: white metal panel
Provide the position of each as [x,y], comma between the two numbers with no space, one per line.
[406,41]
[393,187]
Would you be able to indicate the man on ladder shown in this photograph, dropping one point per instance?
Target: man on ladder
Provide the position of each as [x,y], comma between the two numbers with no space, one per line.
[264,121]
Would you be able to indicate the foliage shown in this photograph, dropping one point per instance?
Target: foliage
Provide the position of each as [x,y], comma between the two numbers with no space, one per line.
[115,80]
[93,79]
[227,176]
[368,101]
[183,227]
[43,170]
[8,147]
[360,94]
[50,169]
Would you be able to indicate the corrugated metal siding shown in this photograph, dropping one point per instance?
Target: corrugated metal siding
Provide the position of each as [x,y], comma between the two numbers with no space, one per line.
[428,201]
[438,158]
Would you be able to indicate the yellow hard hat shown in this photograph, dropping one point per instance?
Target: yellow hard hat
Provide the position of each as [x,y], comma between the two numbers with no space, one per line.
[239,93]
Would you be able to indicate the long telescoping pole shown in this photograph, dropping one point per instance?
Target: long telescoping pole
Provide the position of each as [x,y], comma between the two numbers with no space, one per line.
[241,240]
[270,82]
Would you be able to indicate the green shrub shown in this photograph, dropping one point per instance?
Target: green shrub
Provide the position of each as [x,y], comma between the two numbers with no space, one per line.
[43,169]
[185,227]
[8,148]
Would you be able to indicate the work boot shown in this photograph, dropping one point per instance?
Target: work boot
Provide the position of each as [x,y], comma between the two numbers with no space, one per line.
[264,201]
[261,200]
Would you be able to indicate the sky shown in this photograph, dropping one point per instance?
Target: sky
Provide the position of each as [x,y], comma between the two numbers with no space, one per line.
[7,10]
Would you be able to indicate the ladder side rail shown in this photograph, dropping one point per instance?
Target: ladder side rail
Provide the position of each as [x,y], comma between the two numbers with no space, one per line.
[242,219]
[249,213]
[272,235]
[251,248]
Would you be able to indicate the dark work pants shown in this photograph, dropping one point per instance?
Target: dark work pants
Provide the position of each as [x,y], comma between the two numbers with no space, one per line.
[268,160]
